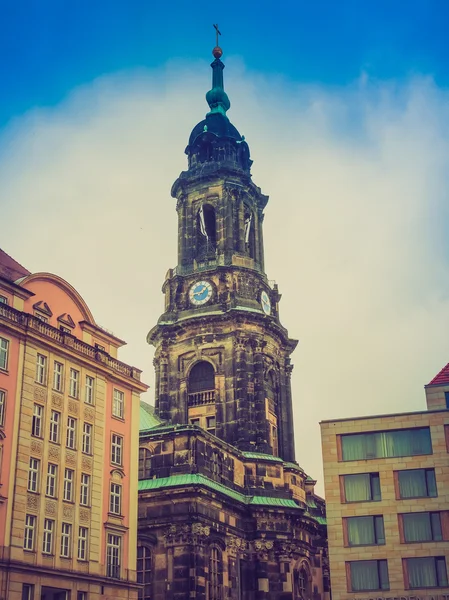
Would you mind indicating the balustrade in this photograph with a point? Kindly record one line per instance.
(199, 398)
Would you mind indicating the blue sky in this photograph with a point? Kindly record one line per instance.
(49, 47)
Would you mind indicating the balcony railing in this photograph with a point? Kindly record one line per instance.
(200, 398)
(66, 339)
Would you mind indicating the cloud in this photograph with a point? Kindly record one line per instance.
(355, 230)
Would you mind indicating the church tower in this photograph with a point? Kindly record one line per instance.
(222, 355)
(225, 512)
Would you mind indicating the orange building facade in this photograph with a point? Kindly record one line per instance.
(69, 436)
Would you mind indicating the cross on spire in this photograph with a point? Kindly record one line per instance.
(217, 32)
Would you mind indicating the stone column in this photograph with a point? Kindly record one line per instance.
(164, 398)
(241, 394)
(181, 210)
(286, 430)
(259, 398)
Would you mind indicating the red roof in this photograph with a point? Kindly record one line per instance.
(10, 268)
(442, 378)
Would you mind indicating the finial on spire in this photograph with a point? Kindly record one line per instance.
(217, 51)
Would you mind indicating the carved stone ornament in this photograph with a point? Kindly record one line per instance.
(197, 529)
(50, 507)
(70, 458)
(54, 452)
(67, 512)
(181, 457)
(84, 515)
(56, 400)
(36, 447)
(32, 501)
(235, 542)
(73, 407)
(40, 393)
(89, 414)
(261, 545)
(86, 463)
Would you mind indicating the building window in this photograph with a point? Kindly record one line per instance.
(71, 433)
(422, 527)
(74, 383)
(118, 404)
(4, 348)
(210, 424)
(2, 407)
(386, 444)
(115, 499)
(65, 329)
(36, 423)
(27, 591)
(33, 475)
(85, 489)
(58, 371)
(144, 572)
(30, 532)
(87, 438)
(301, 583)
(3, 300)
(216, 464)
(365, 531)
(428, 572)
(83, 536)
(195, 422)
(41, 369)
(52, 478)
(47, 540)
(201, 386)
(90, 381)
(66, 540)
(55, 419)
(215, 574)
(417, 483)
(364, 487)
(367, 575)
(144, 463)
(116, 449)
(113, 551)
(69, 478)
(42, 318)
(81, 596)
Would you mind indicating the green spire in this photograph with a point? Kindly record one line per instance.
(216, 97)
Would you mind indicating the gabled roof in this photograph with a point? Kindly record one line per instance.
(10, 269)
(442, 378)
(148, 419)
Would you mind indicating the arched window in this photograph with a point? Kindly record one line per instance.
(144, 572)
(301, 583)
(144, 463)
(250, 237)
(206, 232)
(201, 388)
(215, 574)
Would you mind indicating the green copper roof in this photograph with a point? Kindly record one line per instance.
(148, 419)
(261, 456)
(320, 520)
(196, 479)
(292, 465)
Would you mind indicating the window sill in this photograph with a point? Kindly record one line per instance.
(37, 437)
(118, 418)
(40, 383)
(58, 391)
(33, 492)
(68, 501)
(86, 453)
(73, 397)
(4, 371)
(360, 501)
(51, 497)
(70, 448)
(415, 497)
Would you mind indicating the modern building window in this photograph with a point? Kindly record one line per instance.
(118, 404)
(58, 376)
(83, 536)
(115, 499)
(422, 527)
(4, 349)
(47, 540)
(89, 390)
(210, 424)
(144, 572)
(71, 433)
(144, 463)
(116, 449)
(66, 540)
(2, 407)
(69, 479)
(363, 487)
(55, 420)
(113, 555)
(428, 572)
(27, 591)
(386, 444)
(33, 475)
(367, 575)
(85, 489)
(74, 383)
(215, 574)
(52, 480)
(87, 438)
(41, 369)
(30, 532)
(37, 421)
(417, 483)
(365, 531)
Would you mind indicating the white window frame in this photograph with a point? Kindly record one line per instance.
(4, 354)
(70, 441)
(74, 387)
(2, 407)
(55, 421)
(37, 421)
(118, 404)
(58, 376)
(33, 474)
(66, 540)
(69, 480)
(29, 534)
(85, 489)
(89, 390)
(113, 555)
(27, 591)
(115, 499)
(41, 369)
(116, 450)
(48, 535)
(51, 487)
(87, 438)
(83, 541)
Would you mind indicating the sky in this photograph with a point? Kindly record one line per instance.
(345, 107)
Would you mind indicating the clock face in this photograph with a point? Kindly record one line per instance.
(200, 292)
(265, 301)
